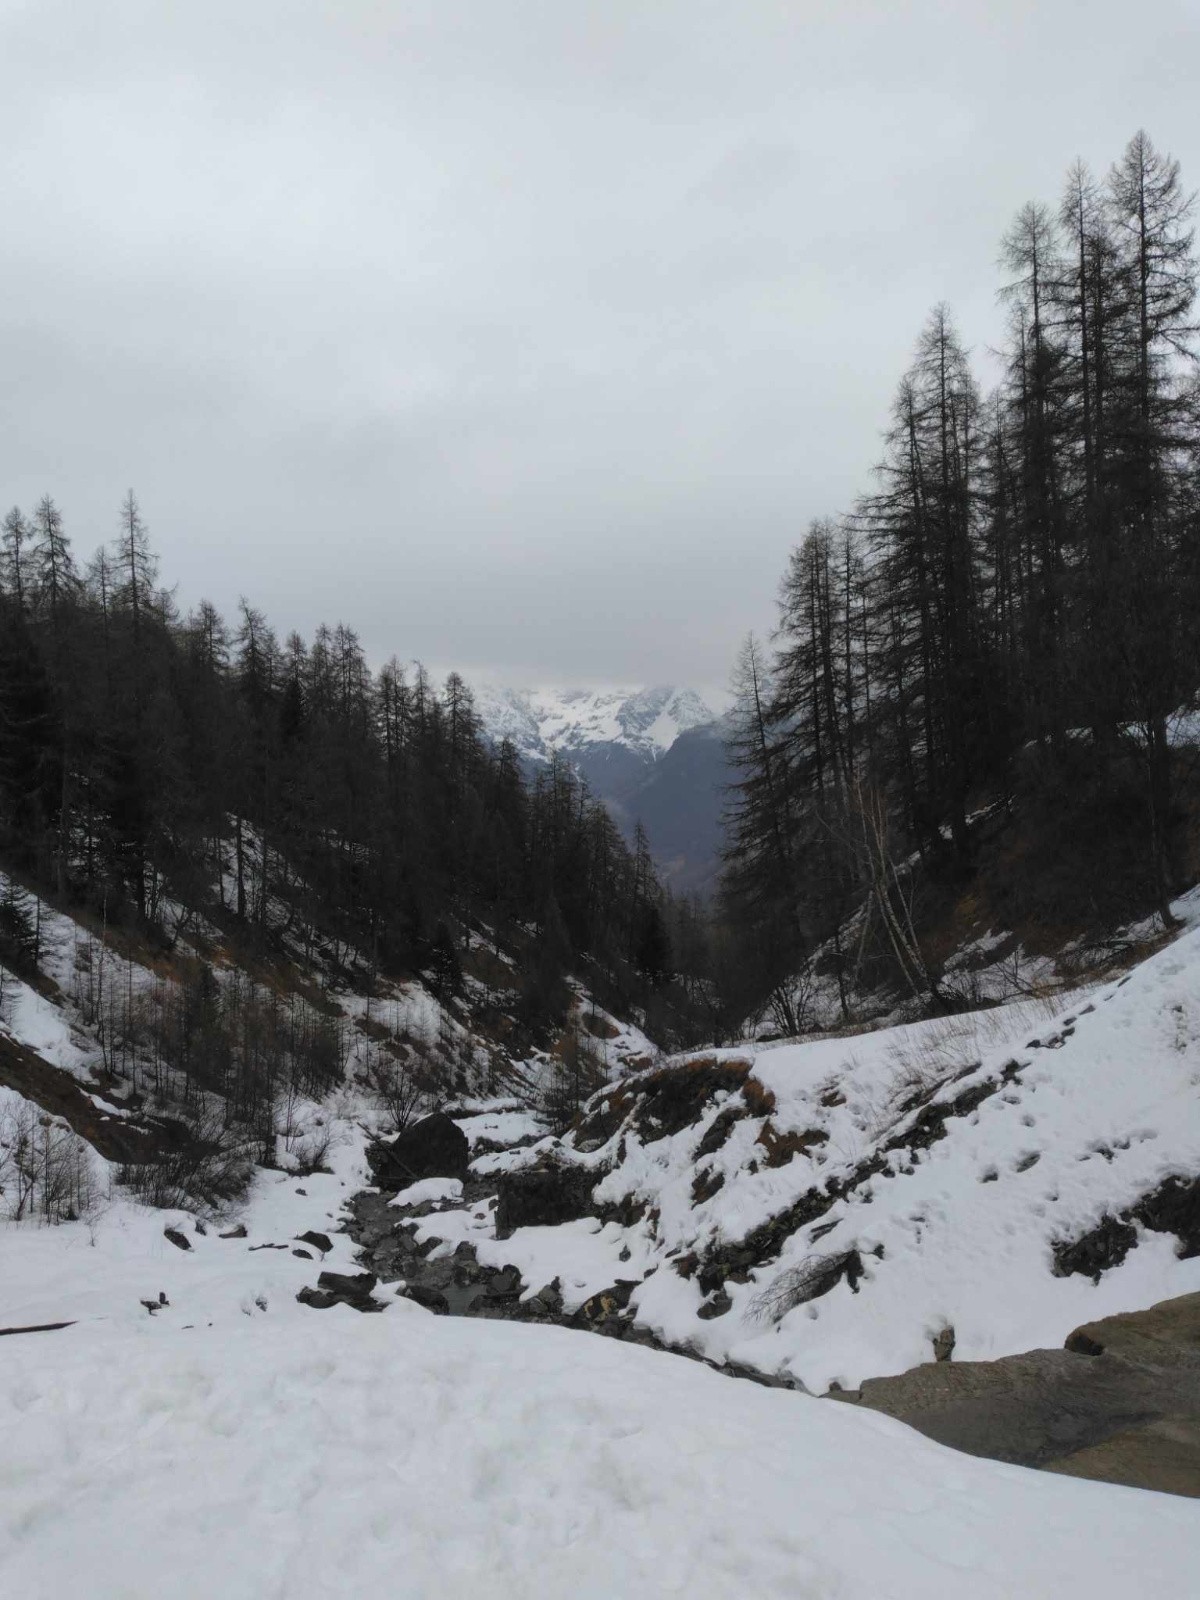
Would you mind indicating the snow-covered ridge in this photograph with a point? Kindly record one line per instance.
(541, 721)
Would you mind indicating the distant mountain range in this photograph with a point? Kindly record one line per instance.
(652, 755)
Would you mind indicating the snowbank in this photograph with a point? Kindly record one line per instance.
(403, 1454)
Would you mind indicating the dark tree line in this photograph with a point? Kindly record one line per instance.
(1019, 594)
(152, 763)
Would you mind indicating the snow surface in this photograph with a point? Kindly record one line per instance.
(256, 1449)
(421, 1457)
(428, 1190)
(232, 1442)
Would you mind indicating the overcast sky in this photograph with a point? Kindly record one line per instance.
(524, 336)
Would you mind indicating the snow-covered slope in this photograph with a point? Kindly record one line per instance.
(824, 1211)
(234, 1442)
(541, 721)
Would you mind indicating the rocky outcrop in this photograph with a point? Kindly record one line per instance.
(1120, 1403)
(1173, 1207)
(542, 1196)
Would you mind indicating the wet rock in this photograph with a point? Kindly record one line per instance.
(506, 1281)
(548, 1301)
(431, 1299)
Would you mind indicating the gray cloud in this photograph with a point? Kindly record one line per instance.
(524, 336)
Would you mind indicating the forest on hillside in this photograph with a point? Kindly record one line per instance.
(1009, 619)
(155, 766)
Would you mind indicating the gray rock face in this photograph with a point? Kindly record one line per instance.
(1121, 1403)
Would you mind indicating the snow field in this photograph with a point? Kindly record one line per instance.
(432, 1457)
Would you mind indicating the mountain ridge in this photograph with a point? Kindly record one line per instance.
(653, 754)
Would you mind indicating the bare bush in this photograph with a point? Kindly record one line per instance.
(45, 1167)
(814, 1276)
(212, 1168)
(400, 1089)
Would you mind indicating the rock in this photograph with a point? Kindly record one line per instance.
(431, 1299)
(608, 1302)
(542, 1196)
(1120, 1404)
(318, 1299)
(1104, 1246)
(179, 1240)
(1162, 1455)
(505, 1282)
(1166, 1335)
(199, 1227)
(342, 1288)
(715, 1306)
(435, 1147)
(548, 1300)
(319, 1241)
(355, 1285)
(234, 1233)
(305, 1254)
(943, 1343)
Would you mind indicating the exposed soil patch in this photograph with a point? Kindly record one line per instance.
(131, 1140)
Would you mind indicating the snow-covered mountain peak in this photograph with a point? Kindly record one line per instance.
(540, 721)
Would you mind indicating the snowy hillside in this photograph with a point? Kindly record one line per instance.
(182, 1409)
(828, 1211)
(541, 721)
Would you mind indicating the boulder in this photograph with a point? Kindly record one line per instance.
(179, 1240)
(319, 1241)
(342, 1288)
(1166, 1335)
(435, 1147)
(1120, 1404)
(542, 1196)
